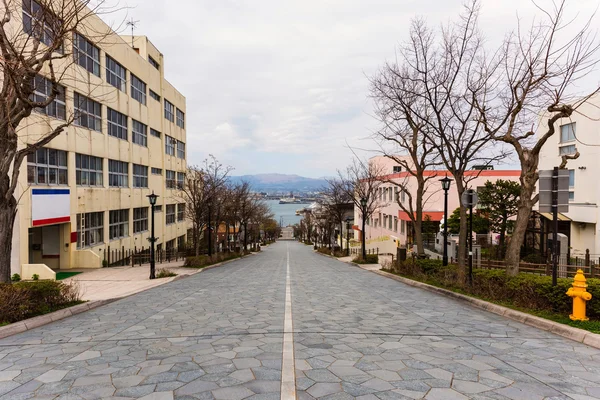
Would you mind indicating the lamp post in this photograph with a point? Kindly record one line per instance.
(152, 198)
(348, 236)
(363, 203)
(446, 186)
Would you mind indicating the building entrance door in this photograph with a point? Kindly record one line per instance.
(44, 246)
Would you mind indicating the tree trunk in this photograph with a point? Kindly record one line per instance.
(418, 222)
(462, 234)
(245, 236)
(503, 226)
(525, 204)
(8, 211)
(196, 240)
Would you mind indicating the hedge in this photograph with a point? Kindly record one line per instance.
(371, 259)
(525, 290)
(205, 261)
(22, 300)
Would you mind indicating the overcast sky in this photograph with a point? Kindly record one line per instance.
(280, 85)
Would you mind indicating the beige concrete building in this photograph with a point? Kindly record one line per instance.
(85, 192)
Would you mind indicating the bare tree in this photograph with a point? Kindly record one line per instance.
(335, 203)
(361, 182)
(538, 70)
(35, 57)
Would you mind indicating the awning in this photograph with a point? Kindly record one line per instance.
(435, 216)
(561, 217)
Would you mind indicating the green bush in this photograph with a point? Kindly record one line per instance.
(371, 259)
(15, 278)
(164, 273)
(35, 277)
(24, 300)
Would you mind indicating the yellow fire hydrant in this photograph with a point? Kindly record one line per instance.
(580, 296)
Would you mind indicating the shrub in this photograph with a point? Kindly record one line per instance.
(24, 300)
(104, 263)
(35, 277)
(15, 278)
(371, 259)
(204, 260)
(164, 273)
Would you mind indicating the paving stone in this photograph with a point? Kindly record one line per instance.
(232, 393)
(324, 389)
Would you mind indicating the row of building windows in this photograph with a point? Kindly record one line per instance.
(90, 226)
(391, 194)
(49, 167)
(388, 222)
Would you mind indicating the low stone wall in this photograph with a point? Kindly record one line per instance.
(42, 270)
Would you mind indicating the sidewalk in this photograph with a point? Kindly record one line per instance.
(115, 282)
(369, 267)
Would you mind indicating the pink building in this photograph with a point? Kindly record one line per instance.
(390, 226)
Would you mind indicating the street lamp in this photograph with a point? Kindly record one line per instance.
(363, 203)
(152, 198)
(348, 236)
(446, 186)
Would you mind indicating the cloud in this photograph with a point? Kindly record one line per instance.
(281, 86)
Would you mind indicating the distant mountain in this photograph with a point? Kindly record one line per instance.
(281, 183)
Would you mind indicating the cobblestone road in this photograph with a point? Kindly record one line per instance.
(219, 335)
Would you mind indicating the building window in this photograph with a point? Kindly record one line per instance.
(180, 118)
(40, 23)
(571, 196)
(139, 133)
(390, 193)
(169, 111)
(153, 62)
(180, 211)
(47, 167)
(155, 133)
(158, 208)
(180, 180)
(567, 150)
(403, 196)
(118, 173)
(115, 74)
(118, 224)
(117, 124)
(88, 170)
(567, 132)
(88, 113)
(140, 219)
(170, 144)
(395, 224)
(140, 176)
(86, 54)
(138, 89)
(42, 90)
(170, 179)
(396, 169)
(154, 95)
(181, 242)
(90, 229)
(180, 150)
(170, 214)
(396, 195)
(390, 222)
(156, 171)
(402, 227)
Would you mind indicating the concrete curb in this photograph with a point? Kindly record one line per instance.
(569, 332)
(25, 325)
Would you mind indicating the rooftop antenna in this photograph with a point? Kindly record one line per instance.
(133, 24)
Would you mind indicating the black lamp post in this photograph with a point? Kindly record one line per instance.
(363, 203)
(348, 236)
(152, 198)
(446, 186)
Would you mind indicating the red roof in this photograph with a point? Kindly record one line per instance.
(435, 216)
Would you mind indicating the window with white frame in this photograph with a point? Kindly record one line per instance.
(90, 229)
(116, 74)
(390, 222)
(180, 150)
(156, 171)
(47, 167)
(155, 133)
(180, 121)
(180, 180)
(42, 90)
(139, 133)
(403, 196)
(169, 111)
(118, 224)
(396, 169)
(118, 173)
(390, 194)
(140, 219)
(170, 179)
(567, 150)
(395, 224)
(138, 89)
(170, 144)
(153, 62)
(567, 132)
(86, 54)
(180, 212)
(140, 176)
(402, 226)
(154, 95)
(88, 170)
(571, 184)
(117, 124)
(41, 23)
(396, 194)
(88, 113)
(170, 214)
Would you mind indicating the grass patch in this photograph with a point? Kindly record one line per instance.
(64, 275)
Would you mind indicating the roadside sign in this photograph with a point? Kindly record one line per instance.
(545, 192)
(469, 198)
